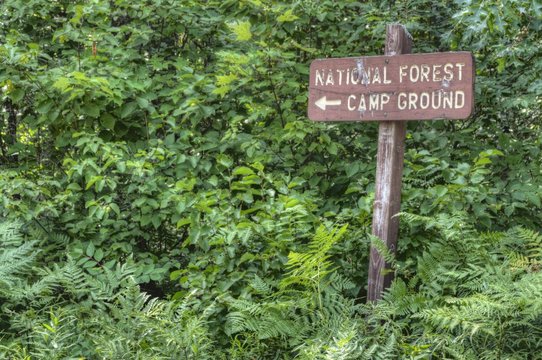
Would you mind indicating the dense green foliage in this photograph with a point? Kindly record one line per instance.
(163, 194)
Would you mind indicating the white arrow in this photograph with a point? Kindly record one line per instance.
(323, 102)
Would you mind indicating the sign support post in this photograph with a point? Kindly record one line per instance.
(389, 169)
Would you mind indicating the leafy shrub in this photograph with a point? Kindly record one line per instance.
(162, 148)
(63, 312)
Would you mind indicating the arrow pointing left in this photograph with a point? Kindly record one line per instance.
(323, 102)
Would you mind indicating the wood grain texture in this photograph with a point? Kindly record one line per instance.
(391, 140)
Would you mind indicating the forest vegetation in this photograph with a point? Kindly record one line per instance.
(163, 194)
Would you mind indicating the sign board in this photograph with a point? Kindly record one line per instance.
(396, 87)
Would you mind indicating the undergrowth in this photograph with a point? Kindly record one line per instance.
(468, 295)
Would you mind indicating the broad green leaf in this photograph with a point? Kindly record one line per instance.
(16, 95)
(243, 170)
(241, 30)
(91, 110)
(182, 222)
(224, 160)
(115, 208)
(62, 84)
(108, 121)
(288, 16)
(127, 109)
(98, 255)
(142, 102)
(92, 181)
(90, 249)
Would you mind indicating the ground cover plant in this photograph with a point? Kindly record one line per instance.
(164, 196)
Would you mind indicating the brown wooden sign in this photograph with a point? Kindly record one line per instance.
(392, 87)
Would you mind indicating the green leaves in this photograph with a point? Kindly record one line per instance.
(445, 291)
(67, 325)
(90, 250)
(175, 138)
(243, 170)
(241, 30)
(287, 16)
(127, 109)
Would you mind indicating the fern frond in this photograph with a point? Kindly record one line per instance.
(14, 261)
(310, 267)
(10, 235)
(383, 250)
(260, 286)
(532, 241)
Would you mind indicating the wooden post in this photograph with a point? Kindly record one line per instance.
(389, 170)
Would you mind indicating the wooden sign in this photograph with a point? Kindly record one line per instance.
(392, 87)
(397, 86)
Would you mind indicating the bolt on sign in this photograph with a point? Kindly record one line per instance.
(392, 87)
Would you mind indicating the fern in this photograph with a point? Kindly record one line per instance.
(305, 309)
(468, 295)
(15, 256)
(477, 294)
(383, 250)
(308, 269)
(63, 312)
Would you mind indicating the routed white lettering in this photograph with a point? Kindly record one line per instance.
(373, 102)
(376, 76)
(386, 80)
(436, 95)
(319, 78)
(366, 76)
(447, 100)
(425, 70)
(354, 79)
(330, 80)
(435, 100)
(414, 76)
(436, 73)
(362, 106)
(341, 72)
(459, 99)
(424, 100)
(376, 102)
(412, 99)
(460, 66)
(401, 101)
(384, 99)
(401, 73)
(353, 98)
(448, 70)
